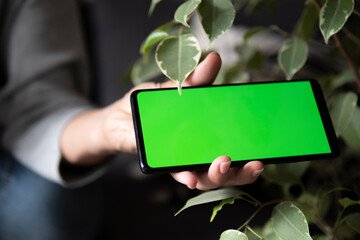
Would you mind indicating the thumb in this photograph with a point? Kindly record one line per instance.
(206, 72)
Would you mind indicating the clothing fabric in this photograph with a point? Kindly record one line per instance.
(47, 81)
(33, 208)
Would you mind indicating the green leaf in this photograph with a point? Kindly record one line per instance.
(289, 222)
(216, 17)
(178, 56)
(305, 200)
(292, 56)
(333, 15)
(347, 202)
(144, 70)
(306, 26)
(154, 37)
(324, 202)
(217, 208)
(232, 234)
(341, 109)
(152, 6)
(284, 174)
(211, 196)
(185, 10)
(343, 78)
(353, 221)
(351, 134)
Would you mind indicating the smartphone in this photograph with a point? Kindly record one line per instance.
(273, 122)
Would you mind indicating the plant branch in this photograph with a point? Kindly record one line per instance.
(348, 33)
(348, 58)
(257, 211)
(343, 51)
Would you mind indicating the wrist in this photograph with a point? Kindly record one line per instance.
(83, 141)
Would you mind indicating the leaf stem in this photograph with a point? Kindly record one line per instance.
(257, 211)
(253, 232)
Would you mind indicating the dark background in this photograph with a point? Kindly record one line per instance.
(139, 206)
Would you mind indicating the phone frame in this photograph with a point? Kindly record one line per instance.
(321, 104)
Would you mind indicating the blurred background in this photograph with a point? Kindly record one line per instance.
(139, 206)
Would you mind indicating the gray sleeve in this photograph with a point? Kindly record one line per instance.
(46, 87)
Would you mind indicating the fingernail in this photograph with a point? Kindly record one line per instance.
(257, 172)
(224, 167)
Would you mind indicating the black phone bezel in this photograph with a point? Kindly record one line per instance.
(322, 107)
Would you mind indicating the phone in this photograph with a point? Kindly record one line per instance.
(273, 122)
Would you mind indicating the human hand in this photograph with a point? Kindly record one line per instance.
(113, 131)
(219, 173)
(118, 126)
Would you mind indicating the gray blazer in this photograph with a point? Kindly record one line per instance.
(45, 83)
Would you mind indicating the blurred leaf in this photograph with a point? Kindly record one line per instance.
(178, 56)
(154, 37)
(341, 109)
(211, 196)
(284, 174)
(216, 17)
(245, 53)
(289, 222)
(220, 78)
(333, 15)
(347, 202)
(152, 6)
(237, 77)
(250, 58)
(252, 32)
(351, 134)
(144, 70)
(292, 56)
(267, 231)
(353, 221)
(238, 4)
(306, 25)
(324, 202)
(344, 78)
(217, 208)
(253, 5)
(304, 200)
(186, 9)
(232, 234)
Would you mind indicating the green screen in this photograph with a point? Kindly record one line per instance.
(245, 122)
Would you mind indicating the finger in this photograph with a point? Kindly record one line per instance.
(245, 175)
(187, 178)
(217, 174)
(204, 74)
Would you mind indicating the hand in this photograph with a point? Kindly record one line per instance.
(112, 131)
(220, 174)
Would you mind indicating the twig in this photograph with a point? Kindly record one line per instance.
(343, 51)
(348, 58)
(257, 211)
(348, 33)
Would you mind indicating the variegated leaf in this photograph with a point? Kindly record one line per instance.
(333, 15)
(185, 10)
(216, 16)
(178, 56)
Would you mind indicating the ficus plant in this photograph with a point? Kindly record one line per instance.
(328, 193)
